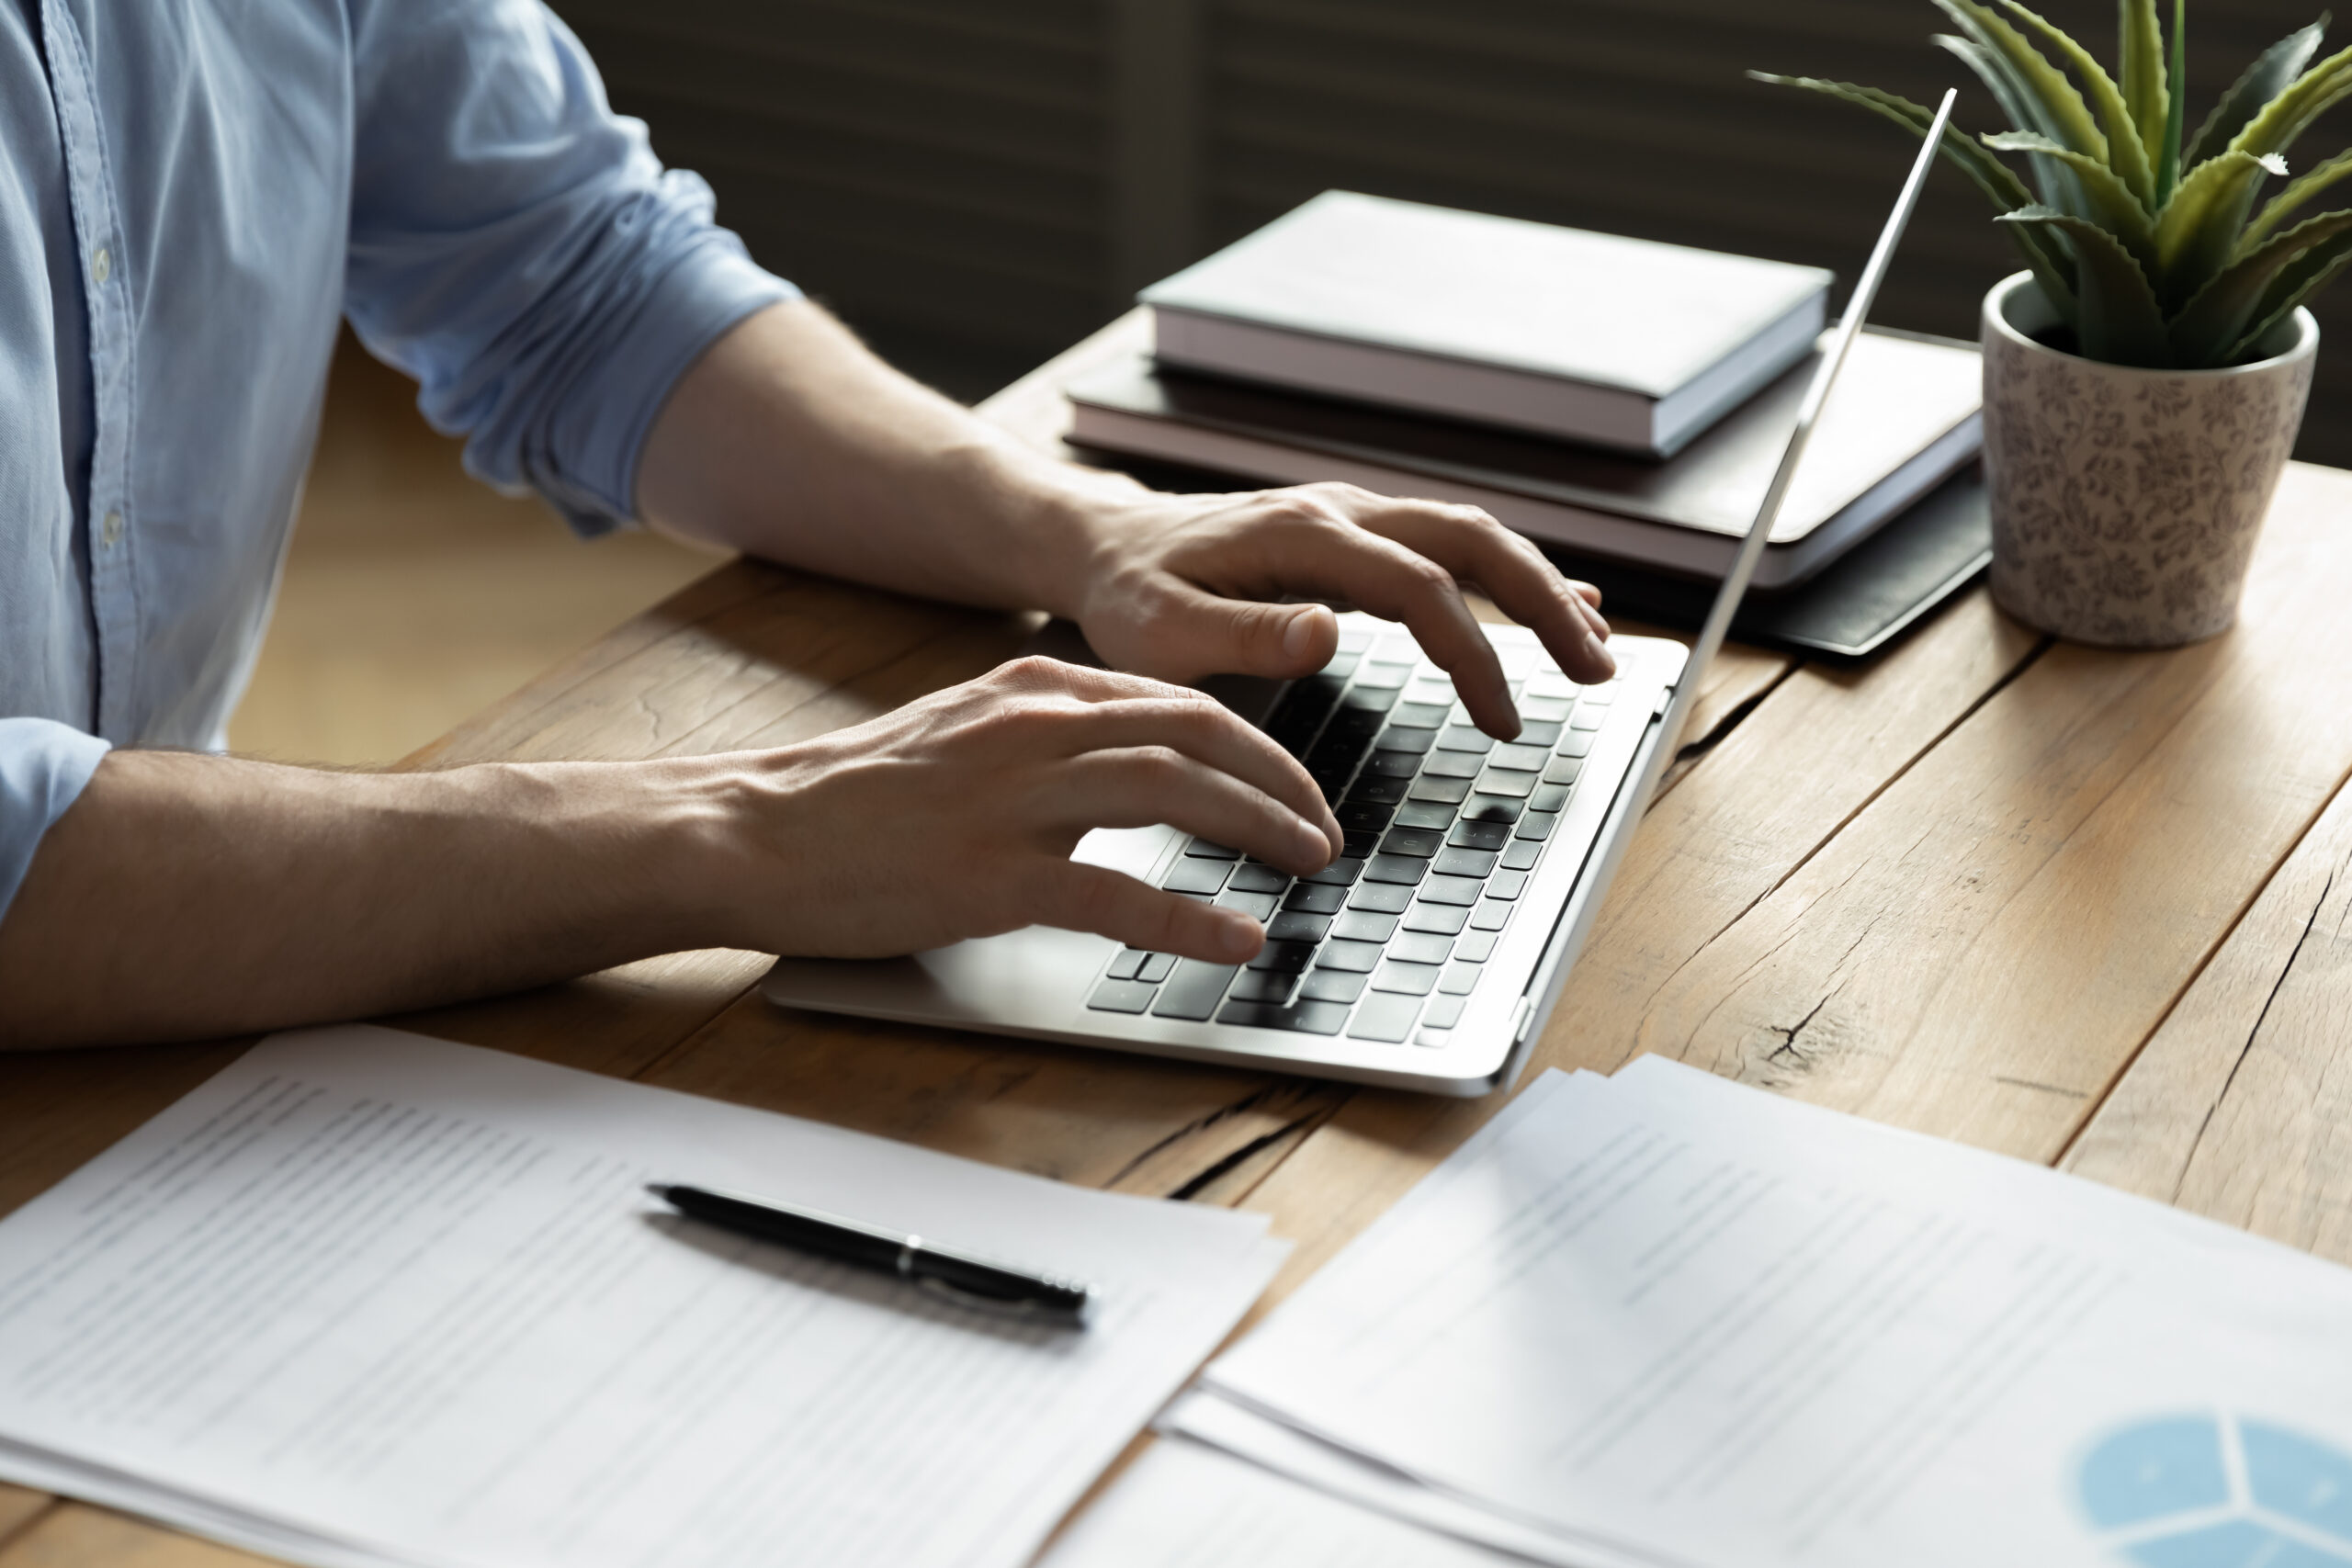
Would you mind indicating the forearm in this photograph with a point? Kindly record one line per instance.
(188, 896)
(789, 440)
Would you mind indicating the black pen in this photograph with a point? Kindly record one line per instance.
(942, 1270)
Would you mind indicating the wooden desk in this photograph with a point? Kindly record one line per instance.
(2079, 907)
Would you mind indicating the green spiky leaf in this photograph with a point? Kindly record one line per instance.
(2142, 53)
(2197, 230)
(2217, 319)
(2169, 169)
(2276, 124)
(2055, 182)
(2297, 281)
(2127, 155)
(2297, 196)
(2051, 267)
(2063, 116)
(2117, 321)
(2268, 76)
(2107, 200)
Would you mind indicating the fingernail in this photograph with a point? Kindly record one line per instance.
(1299, 634)
(1598, 651)
(1313, 845)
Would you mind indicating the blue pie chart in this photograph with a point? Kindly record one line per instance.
(2217, 1491)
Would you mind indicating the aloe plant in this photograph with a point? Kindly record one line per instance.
(2148, 246)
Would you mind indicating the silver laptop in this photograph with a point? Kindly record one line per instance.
(1430, 954)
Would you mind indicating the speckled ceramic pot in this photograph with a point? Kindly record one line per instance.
(2126, 503)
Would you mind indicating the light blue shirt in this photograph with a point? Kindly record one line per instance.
(192, 192)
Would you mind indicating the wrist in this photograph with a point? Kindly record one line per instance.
(1063, 524)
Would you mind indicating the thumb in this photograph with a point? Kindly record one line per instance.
(1206, 634)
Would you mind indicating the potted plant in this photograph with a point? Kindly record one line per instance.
(2144, 377)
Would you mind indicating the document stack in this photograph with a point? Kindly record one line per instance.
(367, 1300)
(1620, 398)
(1661, 1321)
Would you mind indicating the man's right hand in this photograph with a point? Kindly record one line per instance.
(955, 817)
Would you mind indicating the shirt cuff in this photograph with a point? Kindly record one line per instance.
(43, 767)
(706, 291)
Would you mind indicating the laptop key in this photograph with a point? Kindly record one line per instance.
(1285, 957)
(1121, 996)
(1492, 808)
(1465, 863)
(1521, 855)
(1463, 890)
(1303, 1017)
(1385, 1016)
(1340, 873)
(1589, 716)
(1128, 960)
(1543, 710)
(1193, 991)
(1506, 783)
(1365, 815)
(1538, 825)
(1191, 876)
(1519, 758)
(1314, 899)
(1385, 674)
(1257, 906)
(1490, 915)
(1397, 738)
(1358, 845)
(1262, 986)
(1364, 925)
(1403, 869)
(1452, 765)
(1410, 715)
(1574, 744)
(1256, 876)
(1332, 986)
(1442, 791)
(1207, 851)
(1444, 1012)
(1421, 947)
(1476, 947)
(1506, 885)
(1458, 978)
(1444, 918)
(1393, 765)
(1378, 789)
(1465, 737)
(1355, 957)
(1432, 814)
(1412, 979)
(1292, 925)
(1563, 770)
(1381, 898)
(1155, 967)
(1474, 833)
(1547, 797)
(1533, 731)
(1418, 842)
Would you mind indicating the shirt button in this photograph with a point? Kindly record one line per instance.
(102, 265)
(112, 530)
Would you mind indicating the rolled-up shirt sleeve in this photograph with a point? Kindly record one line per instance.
(43, 767)
(517, 248)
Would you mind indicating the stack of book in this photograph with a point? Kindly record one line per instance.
(1623, 400)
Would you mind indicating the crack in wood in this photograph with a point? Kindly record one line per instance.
(2041, 1087)
(1255, 1146)
(2294, 955)
(1198, 1126)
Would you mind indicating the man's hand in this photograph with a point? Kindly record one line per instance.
(1183, 586)
(955, 817)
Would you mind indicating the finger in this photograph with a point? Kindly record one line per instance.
(1081, 897)
(1528, 588)
(1307, 546)
(1201, 633)
(1144, 785)
(1087, 683)
(1208, 733)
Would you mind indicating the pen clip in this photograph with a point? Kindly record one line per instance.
(995, 1306)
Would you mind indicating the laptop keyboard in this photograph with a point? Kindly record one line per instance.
(1443, 824)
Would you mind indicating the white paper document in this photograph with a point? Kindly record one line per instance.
(1183, 1506)
(369, 1298)
(1665, 1318)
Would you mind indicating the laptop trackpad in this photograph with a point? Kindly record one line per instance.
(1037, 976)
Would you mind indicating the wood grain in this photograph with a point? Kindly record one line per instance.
(1750, 812)
(19, 1508)
(2240, 1107)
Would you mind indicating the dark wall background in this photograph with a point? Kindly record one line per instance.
(974, 183)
